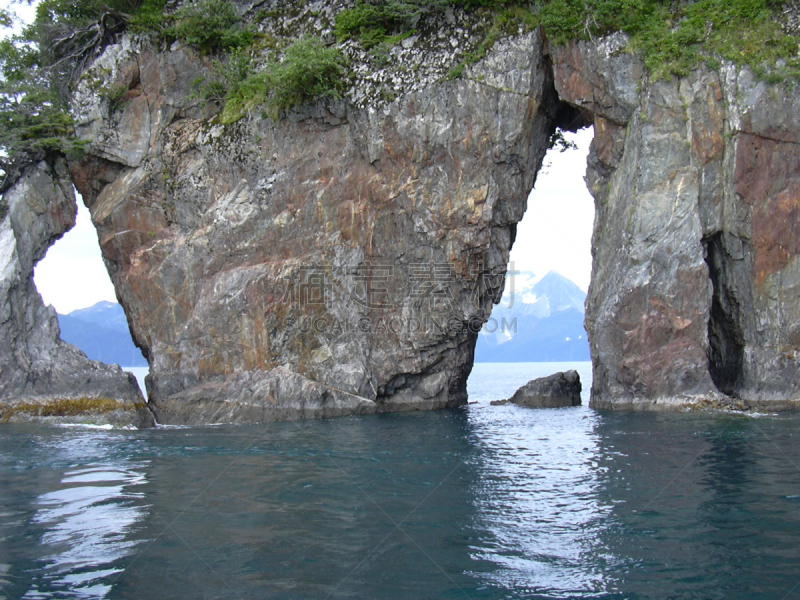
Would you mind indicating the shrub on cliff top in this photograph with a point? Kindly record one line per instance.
(309, 71)
(209, 25)
(40, 66)
(674, 38)
(373, 22)
(33, 117)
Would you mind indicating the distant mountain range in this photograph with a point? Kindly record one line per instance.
(548, 313)
(101, 332)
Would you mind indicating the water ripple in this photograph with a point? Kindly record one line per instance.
(85, 524)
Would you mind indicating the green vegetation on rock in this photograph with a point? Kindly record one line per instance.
(41, 66)
(308, 71)
(377, 21)
(675, 38)
(372, 24)
(33, 118)
(209, 25)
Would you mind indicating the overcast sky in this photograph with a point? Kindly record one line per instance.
(554, 235)
(556, 232)
(73, 275)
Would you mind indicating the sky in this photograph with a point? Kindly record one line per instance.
(72, 274)
(24, 11)
(555, 234)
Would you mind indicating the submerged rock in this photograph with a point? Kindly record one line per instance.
(41, 376)
(556, 390)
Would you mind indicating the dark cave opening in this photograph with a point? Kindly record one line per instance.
(725, 339)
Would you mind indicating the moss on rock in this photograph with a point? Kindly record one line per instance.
(65, 407)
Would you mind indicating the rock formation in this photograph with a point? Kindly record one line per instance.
(338, 261)
(694, 292)
(554, 391)
(341, 259)
(40, 375)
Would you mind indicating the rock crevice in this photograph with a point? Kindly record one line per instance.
(697, 189)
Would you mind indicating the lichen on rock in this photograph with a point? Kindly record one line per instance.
(340, 256)
(399, 215)
(696, 184)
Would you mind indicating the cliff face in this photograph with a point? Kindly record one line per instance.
(339, 261)
(697, 189)
(342, 259)
(40, 375)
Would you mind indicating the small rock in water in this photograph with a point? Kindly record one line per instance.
(559, 389)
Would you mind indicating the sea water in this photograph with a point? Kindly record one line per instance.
(479, 502)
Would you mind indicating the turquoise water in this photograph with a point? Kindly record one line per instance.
(480, 502)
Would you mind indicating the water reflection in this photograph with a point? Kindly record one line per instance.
(700, 509)
(85, 525)
(486, 502)
(538, 499)
(374, 507)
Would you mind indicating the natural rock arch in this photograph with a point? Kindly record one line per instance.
(341, 260)
(40, 375)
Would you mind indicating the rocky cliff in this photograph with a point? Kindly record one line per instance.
(695, 276)
(342, 259)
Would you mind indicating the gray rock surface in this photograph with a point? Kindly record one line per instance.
(342, 259)
(554, 391)
(350, 252)
(42, 377)
(694, 295)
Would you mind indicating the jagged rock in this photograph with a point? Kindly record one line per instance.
(554, 391)
(351, 251)
(42, 377)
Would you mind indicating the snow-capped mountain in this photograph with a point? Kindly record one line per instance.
(538, 319)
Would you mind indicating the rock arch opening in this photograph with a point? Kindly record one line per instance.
(73, 279)
(541, 313)
(43, 377)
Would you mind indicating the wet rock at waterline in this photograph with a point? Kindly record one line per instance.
(554, 391)
(42, 377)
